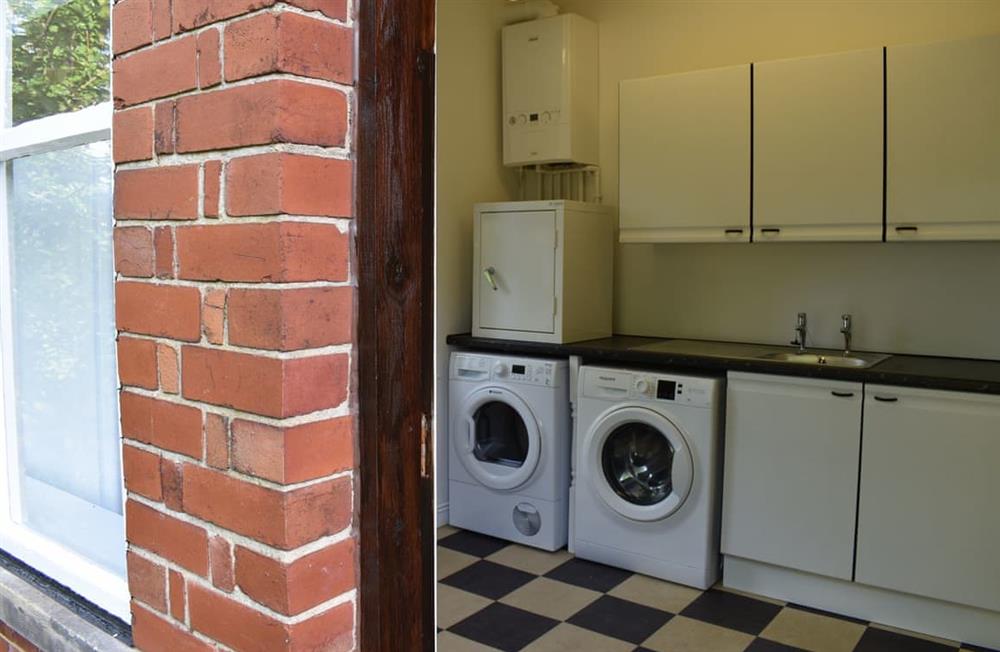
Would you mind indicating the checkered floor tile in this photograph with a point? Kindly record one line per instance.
(493, 595)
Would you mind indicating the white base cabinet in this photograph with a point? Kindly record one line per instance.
(929, 520)
(790, 489)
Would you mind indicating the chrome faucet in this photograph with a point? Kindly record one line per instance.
(845, 328)
(800, 332)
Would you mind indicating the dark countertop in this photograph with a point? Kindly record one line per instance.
(956, 374)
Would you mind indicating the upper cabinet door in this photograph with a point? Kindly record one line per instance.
(516, 278)
(685, 157)
(943, 167)
(817, 149)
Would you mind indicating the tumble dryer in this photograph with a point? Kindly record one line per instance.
(510, 445)
(647, 473)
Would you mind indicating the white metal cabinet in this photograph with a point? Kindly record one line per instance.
(685, 157)
(943, 147)
(818, 132)
(791, 472)
(543, 271)
(929, 522)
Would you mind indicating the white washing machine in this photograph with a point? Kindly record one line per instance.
(647, 473)
(510, 448)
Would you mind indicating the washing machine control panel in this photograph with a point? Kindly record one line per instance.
(512, 370)
(614, 384)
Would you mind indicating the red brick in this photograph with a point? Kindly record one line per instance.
(217, 441)
(161, 19)
(233, 624)
(273, 252)
(268, 184)
(190, 14)
(330, 631)
(164, 127)
(293, 454)
(291, 319)
(213, 178)
(280, 388)
(142, 472)
(133, 251)
(153, 634)
(289, 43)
(163, 193)
(220, 553)
(163, 246)
(213, 315)
(14, 641)
(284, 520)
(131, 25)
(336, 9)
(172, 482)
(132, 134)
(277, 111)
(306, 582)
(167, 69)
(169, 373)
(209, 65)
(137, 362)
(178, 596)
(163, 310)
(288, 320)
(182, 543)
(147, 582)
(166, 425)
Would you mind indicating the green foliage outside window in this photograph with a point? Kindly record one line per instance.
(59, 56)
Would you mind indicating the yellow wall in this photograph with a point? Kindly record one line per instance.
(935, 298)
(468, 171)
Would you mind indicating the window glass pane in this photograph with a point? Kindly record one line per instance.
(65, 383)
(59, 56)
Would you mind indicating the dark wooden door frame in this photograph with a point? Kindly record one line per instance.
(394, 187)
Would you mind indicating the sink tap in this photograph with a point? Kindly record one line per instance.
(845, 328)
(800, 332)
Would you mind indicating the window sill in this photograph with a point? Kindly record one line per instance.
(47, 622)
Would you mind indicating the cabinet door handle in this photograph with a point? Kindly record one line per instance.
(842, 394)
(886, 399)
(734, 231)
(907, 229)
(490, 274)
(771, 231)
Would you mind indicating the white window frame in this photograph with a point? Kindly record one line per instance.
(57, 132)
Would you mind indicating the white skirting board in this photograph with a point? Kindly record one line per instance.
(442, 515)
(928, 616)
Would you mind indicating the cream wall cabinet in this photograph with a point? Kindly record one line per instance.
(791, 472)
(543, 271)
(817, 153)
(943, 148)
(685, 157)
(928, 521)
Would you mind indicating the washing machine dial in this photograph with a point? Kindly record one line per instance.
(642, 386)
(500, 370)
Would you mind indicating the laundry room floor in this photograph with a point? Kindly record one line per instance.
(495, 595)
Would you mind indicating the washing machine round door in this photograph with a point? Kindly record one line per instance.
(497, 438)
(639, 463)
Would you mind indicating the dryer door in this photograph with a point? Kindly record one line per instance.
(639, 463)
(497, 438)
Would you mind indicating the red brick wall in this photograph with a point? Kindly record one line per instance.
(233, 205)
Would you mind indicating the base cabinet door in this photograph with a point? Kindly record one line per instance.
(791, 472)
(929, 518)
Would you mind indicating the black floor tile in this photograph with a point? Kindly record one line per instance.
(589, 575)
(473, 543)
(880, 640)
(821, 612)
(643, 649)
(504, 627)
(621, 619)
(978, 648)
(733, 611)
(764, 645)
(488, 579)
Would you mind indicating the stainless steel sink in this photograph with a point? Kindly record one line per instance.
(763, 352)
(856, 361)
